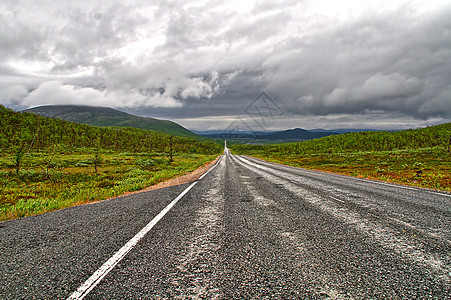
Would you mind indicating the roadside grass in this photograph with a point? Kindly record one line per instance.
(427, 167)
(50, 181)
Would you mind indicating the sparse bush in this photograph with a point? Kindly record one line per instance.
(146, 163)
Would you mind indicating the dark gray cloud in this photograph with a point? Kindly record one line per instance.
(378, 63)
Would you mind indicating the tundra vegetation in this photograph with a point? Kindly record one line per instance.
(48, 164)
(417, 157)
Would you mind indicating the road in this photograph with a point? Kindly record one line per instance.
(249, 229)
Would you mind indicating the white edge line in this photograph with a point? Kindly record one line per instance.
(203, 175)
(441, 194)
(98, 275)
(336, 199)
(413, 188)
(261, 167)
(419, 189)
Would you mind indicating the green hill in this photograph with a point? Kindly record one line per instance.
(18, 129)
(48, 164)
(417, 157)
(105, 117)
(432, 136)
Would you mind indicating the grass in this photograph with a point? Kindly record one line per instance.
(52, 181)
(427, 167)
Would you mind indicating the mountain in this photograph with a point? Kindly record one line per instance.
(297, 134)
(105, 116)
(290, 135)
(348, 130)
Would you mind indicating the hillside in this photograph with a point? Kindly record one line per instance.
(48, 164)
(432, 136)
(417, 157)
(18, 129)
(105, 116)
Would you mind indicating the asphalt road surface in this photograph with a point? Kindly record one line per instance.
(247, 230)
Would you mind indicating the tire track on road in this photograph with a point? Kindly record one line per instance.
(373, 229)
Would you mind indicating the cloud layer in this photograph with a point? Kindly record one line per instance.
(202, 61)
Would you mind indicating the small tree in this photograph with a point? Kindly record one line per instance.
(25, 142)
(18, 157)
(170, 149)
(49, 163)
(96, 159)
(150, 143)
(447, 144)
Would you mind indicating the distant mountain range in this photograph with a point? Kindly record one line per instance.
(297, 134)
(104, 116)
(289, 135)
(284, 136)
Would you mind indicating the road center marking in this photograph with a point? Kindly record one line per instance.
(98, 275)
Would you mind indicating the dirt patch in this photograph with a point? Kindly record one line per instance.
(193, 176)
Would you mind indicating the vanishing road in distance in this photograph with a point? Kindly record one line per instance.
(248, 229)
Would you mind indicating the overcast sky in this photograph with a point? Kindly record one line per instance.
(323, 63)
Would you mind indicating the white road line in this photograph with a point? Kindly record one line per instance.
(403, 187)
(337, 199)
(203, 175)
(98, 275)
(441, 194)
(366, 180)
(274, 170)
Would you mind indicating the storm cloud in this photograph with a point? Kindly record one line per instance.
(326, 63)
